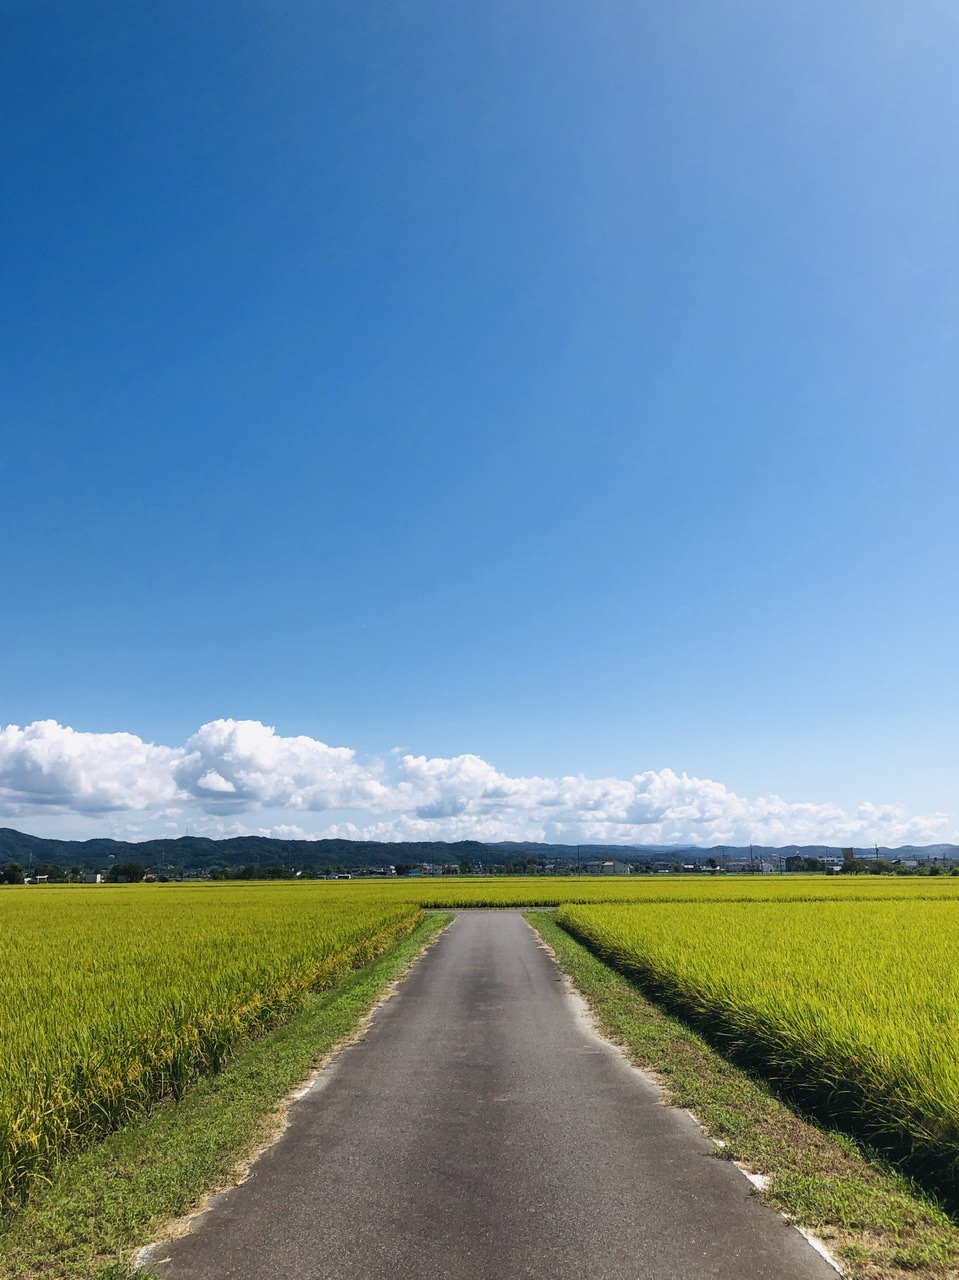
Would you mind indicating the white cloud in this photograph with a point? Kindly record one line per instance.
(212, 781)
(48, 767)
(229, 770)
(249, 764)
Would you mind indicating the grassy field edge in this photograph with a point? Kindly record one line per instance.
(104, 1203)
(877, 1223)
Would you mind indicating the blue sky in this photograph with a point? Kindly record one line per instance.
(568, 387)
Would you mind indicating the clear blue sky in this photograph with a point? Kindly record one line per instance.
(573, 385)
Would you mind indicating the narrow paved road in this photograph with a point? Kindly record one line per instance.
(481, 1132)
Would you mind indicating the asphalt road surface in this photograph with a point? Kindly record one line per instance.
(480, 1131)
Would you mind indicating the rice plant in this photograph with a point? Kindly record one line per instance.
(850, 1007)
(112, 999)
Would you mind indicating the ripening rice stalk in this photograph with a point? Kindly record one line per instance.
(851, 1007)
(112, 999)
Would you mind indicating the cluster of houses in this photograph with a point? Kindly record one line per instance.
(604, 867)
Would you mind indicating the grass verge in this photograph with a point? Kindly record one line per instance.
(102, 1204)
(875, 1221)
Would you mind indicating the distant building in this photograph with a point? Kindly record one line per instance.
(758, 866)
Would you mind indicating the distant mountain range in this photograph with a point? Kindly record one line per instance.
(198, 853)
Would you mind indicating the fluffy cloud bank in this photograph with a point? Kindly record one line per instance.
(230, 770)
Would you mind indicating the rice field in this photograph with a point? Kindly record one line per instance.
(553, 891)
(112, 999)
(852, 1007)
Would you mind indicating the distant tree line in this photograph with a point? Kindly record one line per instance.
(53, 873)
(262, 857)
(883, 867)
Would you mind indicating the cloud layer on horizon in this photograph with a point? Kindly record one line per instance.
(230, 771)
